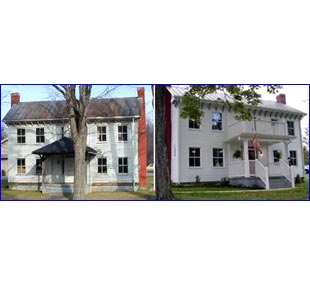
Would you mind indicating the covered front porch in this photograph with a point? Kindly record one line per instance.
(57, 165)
(268, 169)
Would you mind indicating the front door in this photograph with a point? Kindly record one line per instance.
(58, 170)
(252, 158)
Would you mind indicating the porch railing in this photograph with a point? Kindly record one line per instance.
(262, 172)
(287, 171)
(236, 169)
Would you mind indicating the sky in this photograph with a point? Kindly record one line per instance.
(297, 96)
(47, 92)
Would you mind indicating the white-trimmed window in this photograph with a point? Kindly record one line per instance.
(123, 165)
(21, 166)
(101, 133)
(40, 138)
(102, 165)
(290, 128)
(122, 133)
(194, 157)
(38, 166)
(293, 158)
(218, 157)
(216, 121)
(193, 124)
(21, 135)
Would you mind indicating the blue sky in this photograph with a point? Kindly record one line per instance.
(47, 92)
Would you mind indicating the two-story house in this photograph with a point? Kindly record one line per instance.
(41, 151)
(221, 146)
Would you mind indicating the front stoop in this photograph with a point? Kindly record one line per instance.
(279, 183)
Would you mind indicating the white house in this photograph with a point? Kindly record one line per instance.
(223, 147)
(41, 152)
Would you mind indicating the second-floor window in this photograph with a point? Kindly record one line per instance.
(122, 133)
(21, 135)
(194, 157)
(102, 133)
(40, 138)
(102, 165)
(216, 121)
(290, 128)
(21, 166)
(193, 124)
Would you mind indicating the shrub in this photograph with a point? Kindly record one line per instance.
(197, 180)
(297, 179)
(224, 182)
(3, 173)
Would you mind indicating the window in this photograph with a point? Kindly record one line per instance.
(40, 135)
(193, 124)
(122, 133)
(102, 133)
(216, 121)
(123, 165)
(218, 158)
(38, 166)
(21, 135)
(293, 158)
(277, 155)
(194, 157)
(21, 166)
(102, 165)
(290, 128)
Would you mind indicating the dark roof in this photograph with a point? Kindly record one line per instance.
(60, 147)
(49, 110)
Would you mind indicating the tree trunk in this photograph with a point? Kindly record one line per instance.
(163, 188)
(80, 167)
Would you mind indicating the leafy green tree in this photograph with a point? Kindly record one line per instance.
(238, 97)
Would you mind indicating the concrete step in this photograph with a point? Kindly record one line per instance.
(279, 183)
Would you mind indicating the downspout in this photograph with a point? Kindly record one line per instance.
(134, 153)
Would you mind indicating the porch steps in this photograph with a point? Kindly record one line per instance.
(279, 183)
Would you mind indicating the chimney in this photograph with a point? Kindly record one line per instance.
(15, 98)
(142, 140)
(281, 98)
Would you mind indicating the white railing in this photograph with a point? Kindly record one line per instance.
(287, 171)
(259, 126)
(262, 172)
(236, 169)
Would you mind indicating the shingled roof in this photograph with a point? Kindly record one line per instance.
(56, 110)
(61, 147)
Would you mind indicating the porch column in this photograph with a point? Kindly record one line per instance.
(246, 158)
(286, 154)
(228, 156)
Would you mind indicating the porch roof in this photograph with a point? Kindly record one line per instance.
(61, 147)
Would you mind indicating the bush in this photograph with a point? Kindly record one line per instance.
(197, 180)
(3, 173)
(224, 182)
(297, 179)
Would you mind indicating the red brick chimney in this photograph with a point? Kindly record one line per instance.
(142, 140)
(281, 98)
(15, 98)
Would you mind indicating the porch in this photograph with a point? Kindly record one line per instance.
(263, 170)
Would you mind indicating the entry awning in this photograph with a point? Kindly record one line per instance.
(64, 146)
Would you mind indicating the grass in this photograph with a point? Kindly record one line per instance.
(8, 194)
(299, 193)
(180, 193)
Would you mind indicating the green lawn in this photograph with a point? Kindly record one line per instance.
(216, 193)
(181, 193)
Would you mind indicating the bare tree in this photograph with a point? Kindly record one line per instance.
(4, 131)
(77, 109)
